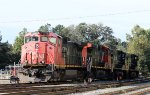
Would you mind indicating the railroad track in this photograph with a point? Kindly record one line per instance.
(45, 89)
(132, 90)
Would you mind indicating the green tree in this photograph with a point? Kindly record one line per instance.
(19, 41)
(95, 33)
(5, 54)
(58, 29)
(139, 43)
(45, 28)
(16, 49)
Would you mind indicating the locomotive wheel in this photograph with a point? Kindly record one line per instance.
(119, 76)
(101, 74)
(133, 75)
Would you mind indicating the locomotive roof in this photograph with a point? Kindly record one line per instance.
(42, 33)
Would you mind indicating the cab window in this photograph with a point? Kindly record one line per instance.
(44, 39)
(52, 40)
(27, 39)
(34, 38)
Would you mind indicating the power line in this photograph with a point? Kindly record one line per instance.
(79, 17)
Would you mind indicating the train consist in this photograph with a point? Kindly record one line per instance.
(47, 56)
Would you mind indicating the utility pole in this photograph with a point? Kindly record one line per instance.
(14, 69)
(1, 73)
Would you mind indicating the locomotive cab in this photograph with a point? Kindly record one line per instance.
(39, 49)
(105, 56)
(31, 53)
(121, 59)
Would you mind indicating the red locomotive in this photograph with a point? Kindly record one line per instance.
(47, 56)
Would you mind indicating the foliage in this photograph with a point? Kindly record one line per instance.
(16, 49)
(19, 41)
(45, 28)
(121, 45)
(95, 33)
(58, 29)
(5, 54)
(139, 43)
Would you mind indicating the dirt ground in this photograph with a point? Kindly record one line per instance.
(2, 81)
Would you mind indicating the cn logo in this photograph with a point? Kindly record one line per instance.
(36, 46)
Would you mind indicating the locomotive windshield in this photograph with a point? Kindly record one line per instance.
(34, 38)
(52, 40)
(29, 38)
(44, 39)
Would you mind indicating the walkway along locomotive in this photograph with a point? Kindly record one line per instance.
(47, 56)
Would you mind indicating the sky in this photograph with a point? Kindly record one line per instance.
(120, 15)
